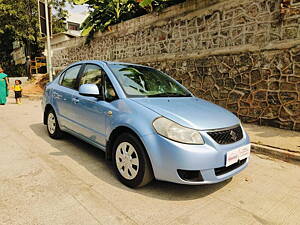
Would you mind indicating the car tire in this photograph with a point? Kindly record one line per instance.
(53, 128)
(131, 162)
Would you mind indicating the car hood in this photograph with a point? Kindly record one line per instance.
(190, 112)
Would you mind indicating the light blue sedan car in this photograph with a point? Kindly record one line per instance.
(147, 123)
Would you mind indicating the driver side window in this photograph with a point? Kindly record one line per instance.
(110, 93)
(92, 74)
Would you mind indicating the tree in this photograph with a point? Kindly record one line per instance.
(105, 13)
(19, 21)
(157, 5)
(59, 15)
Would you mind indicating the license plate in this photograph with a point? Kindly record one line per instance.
(238, 154)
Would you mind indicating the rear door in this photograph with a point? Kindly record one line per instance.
(62, 96)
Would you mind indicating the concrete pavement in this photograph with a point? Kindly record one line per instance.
(277, 143)
(274, 137)
(44, 181)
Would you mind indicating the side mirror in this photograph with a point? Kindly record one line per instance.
(91, 90)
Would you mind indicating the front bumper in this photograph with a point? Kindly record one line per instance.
(167, 157)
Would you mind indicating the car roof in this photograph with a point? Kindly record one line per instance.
(107, 62)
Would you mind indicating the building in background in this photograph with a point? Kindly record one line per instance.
(72, 31)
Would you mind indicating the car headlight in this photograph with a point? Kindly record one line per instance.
(176, 132)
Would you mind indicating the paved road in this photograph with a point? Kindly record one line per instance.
(43, 181)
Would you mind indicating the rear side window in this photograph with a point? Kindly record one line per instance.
(70, 76)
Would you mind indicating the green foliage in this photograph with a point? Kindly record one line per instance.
(146, 3)
(104, 13)
(5, 50)
(158, 5)
(59, 15)
(58, 24)
(80, 2)
(20, 18)
(19, 21)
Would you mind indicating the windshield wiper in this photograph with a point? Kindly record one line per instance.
(169, 94)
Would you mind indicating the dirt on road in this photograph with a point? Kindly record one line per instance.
(45, 181)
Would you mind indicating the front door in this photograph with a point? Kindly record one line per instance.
(90, 111)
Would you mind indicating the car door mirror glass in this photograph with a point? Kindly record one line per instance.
(91, 90)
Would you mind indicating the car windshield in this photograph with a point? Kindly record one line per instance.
(139, 81)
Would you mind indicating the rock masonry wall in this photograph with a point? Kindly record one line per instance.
(242, 55)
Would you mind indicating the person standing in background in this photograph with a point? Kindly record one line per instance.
(3, 87)
(17, 88)
(28, 67)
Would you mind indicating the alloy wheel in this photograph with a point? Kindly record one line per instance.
(127, 160)
(51, 123)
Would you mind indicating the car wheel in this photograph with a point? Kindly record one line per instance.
(53, 126)
(131, 162)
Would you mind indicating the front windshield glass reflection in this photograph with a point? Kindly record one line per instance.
(139, 81)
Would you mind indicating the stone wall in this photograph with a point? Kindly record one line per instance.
(260, 87)
(242, 55)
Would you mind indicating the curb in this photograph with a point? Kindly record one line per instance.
(284, 155)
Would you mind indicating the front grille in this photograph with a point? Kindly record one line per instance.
(227, 136)
(222, 170)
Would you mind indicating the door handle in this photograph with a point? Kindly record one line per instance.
(75, 100)
(56, 95)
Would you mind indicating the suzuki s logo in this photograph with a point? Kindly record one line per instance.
(233, 135)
